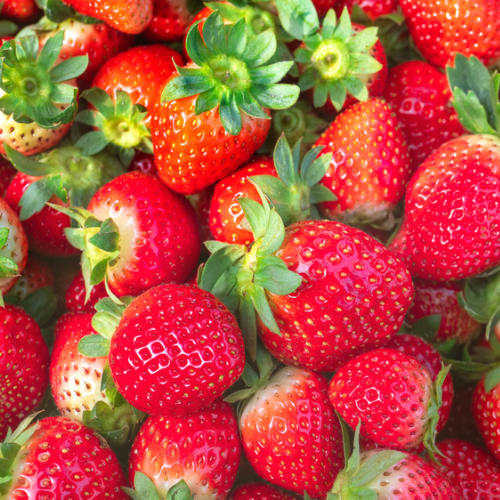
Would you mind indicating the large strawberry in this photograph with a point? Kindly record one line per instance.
(57, 457)
(24, 362)
(370, 167)
(38, 97)
(201, 450)
(442, 30)
(214, 115)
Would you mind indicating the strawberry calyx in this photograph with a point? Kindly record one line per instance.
(120, 124)
(144, 487)
(351, 482)
(230, 73)
(335, 61)
(8, 267)
(31, 85)
(58, 12)
(296, 190)
(241, 276)
(64, 172)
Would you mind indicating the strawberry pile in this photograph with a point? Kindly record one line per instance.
(249, 249)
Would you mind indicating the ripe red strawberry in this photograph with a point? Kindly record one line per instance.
(13, 248)
(431, 297)
(440, 31)
(36, 275)
(370, 166)
(75, 295)
(421, 99)
(7, 173)
(178, 364)
(129, 16)
(143, 162)
(485, 408)
(57, 457)
(393, 397)
(199, 138)
(201, 204)
(290, 434)
(170, 22)
(470, 469)
(373, 8)
(145, 235)
(259, 491)
(203, 449)
(20, 11)
(342, 63)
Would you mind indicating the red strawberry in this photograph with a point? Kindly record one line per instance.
(485, 408)
(171, 20)
(373, 8)
(61, 458)
(7, 173)
(393, 397)
(470, 469)
(20, 11)
(129, 16)
(201, 204)
(202, 449)
(370, 166)
(75, 295)
(179, 363)
(468, 27)
(421, 98)
(36, 275)
(259, 491)
(143, 162)
(290, 434)
(13, 248)
(24, 361)
(199, 138)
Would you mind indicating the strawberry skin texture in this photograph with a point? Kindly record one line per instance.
(420, 96)
(24, 362)
(452, 210)
(128, 16)
(486, 411)
(75, 295)
(143, 162)
(65, 460)
(441, 30)
(7, 173)
(373, 8)
(389, 392)
(353, 296)
(160, 238)
(226, 214)
(20, 11)
(470, 469)
(99, 41)
(16, 247)
(370, 166)
(171, 20)
(433, 297)
(45, 229)
(176, 349)
(140, 72)
(202, 448)
(37, 274)
(259, 491)
(192, 152)
(290, 434)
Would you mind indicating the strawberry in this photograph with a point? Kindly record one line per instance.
(199, 138)
(7, 173)
(392, 395)
(59, 458)
(431, 298)
(79, 384)
(201, 204)
(342, 62)
(201, 449)
(440, 31)
(20, 11)
(421, 99)
(75, 295)
(36, 275)
(36, 109)
(485, 408)
(24, 361)
(290, 434)
(470, 469)
(13, 248)
(128, 16)
(372, 8)
(135, 235)
(370, 166)
(62, 176)
(453, 201)
(259, 491)
(170, 22)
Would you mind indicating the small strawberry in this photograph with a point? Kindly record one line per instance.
(7, 173)
(201, 451)
(24, 362)
(142, 162)
(421, 99)
(259, 491)
(392, 395)
(128, 16)
(370, 166)
(440, 31)
(36, 275)
(76, 295)
(60, 458)
(203, 132)
(170, 22)
(20, 11)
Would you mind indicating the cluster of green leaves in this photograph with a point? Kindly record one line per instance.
(145, 489)
(58, 12)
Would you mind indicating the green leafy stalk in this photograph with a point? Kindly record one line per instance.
(231, 75)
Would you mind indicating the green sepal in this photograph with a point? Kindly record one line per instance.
(427, 327)
(108, 316)
(94, 346)
(180, 491)
(8, 268)
(41, 304)
(144, 488)
(298, 17)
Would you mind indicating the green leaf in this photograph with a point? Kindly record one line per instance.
(180, 491)
(145, 487)
(375, 466)
(260, 49)
(329, 24)
(195, 46)
(355, 87)
(320, 94)
(8, 268)
(27, 165)
(108, 237)
(363, 40)
(237, 39)
(101, 100)
(4, 236)
(69, 69)
(261, 305)
(298, 17)
(248, 322)
(320, 194)
(105, 323)
(185, 86)
(50, 51)
(363, 64)
(343, 31)
(471, 112)
(56, 185)
(214, 33)
(270, 74)
(273, 236)
(256, 216)
(271, 186)
(217, 263)
(427, 327)
(207, 100)
(41, 305)
(492, 379)
(283, 162)
(276, 279)
(57, 11)
(94, 346)
(229, 113)
(280, 96)
(34, 198)
(317, 170)
(92, 142)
